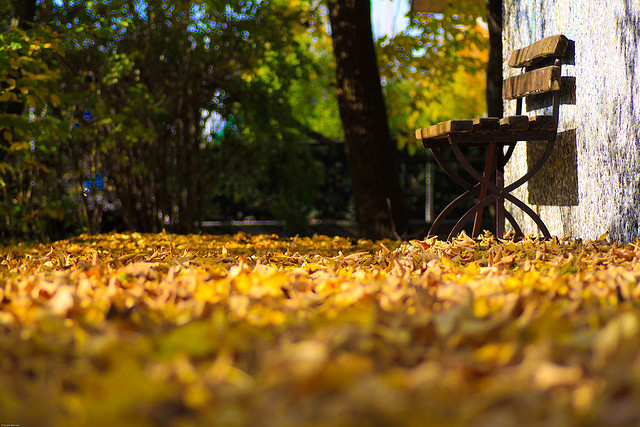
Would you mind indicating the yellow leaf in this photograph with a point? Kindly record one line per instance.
(549, 375)
(19, 146)
(62, 301)
(55, 101)
(472, 269)
(614, 335)
(495, 352)
(7, 135)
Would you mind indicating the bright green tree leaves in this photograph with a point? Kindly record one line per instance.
(435, 70)
(29, 90)
(142, 81)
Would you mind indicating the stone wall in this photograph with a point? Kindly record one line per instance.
(591, 184)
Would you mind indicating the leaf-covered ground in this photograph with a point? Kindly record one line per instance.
(131, 329)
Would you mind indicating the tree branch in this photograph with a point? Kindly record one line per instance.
(317, 136)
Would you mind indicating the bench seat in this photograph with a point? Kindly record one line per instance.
(481, 126)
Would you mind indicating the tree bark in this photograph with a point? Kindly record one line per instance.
(380, 204)
(494, 67)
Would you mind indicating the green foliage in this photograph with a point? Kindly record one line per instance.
(251, 181)
(150, 75)
(32, 201)
(435, 70)
(313, 99)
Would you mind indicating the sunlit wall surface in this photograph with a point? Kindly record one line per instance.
(591, 184)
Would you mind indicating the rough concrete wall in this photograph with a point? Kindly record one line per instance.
(591, 185)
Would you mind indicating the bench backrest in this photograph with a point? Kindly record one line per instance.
(538, 76)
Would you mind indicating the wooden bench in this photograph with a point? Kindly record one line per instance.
(541, 64)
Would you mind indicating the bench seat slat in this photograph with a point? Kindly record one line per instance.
(514, 123)
(485, 124)
(442, 129)
(488, 129)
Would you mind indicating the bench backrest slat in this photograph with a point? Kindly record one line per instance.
(537, 81)
(549, 47)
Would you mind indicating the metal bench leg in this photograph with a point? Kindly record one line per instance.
(446, 211)
(500, 200)
(481, 205)
(471, 190)
(505, 193)
(488, 166)
(450, 172)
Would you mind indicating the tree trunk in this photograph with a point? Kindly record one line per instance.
(380, 205)
(494, 67)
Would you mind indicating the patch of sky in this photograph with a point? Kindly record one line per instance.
(389, 17)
